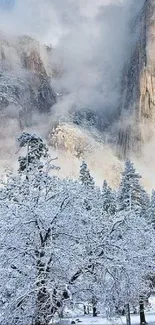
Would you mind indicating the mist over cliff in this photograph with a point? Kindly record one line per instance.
(91, 43)
(75, 72)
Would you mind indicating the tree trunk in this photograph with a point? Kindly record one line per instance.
(94, 311)
(142, 312)
(43, 301)
(94, 303)
(43, 298)
(43, 307)
(127, 312)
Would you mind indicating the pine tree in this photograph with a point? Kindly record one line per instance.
(131, 194)
(85, 177)
(36, 149)
(145, 203)
(108, 198)
(151, 211)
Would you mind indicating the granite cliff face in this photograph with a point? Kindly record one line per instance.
(137, 109)
(25, 89)
(24, 78)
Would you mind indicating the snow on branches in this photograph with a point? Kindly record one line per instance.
(65, 241)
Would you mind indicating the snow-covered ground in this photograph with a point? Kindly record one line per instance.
(102, 320)
(89, 320)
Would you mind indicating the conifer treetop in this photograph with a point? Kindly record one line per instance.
(36, 149)
(85, 176)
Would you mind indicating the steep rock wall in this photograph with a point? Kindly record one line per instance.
(137, 109)
(24, 78)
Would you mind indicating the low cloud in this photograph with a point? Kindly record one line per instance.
(91, 41)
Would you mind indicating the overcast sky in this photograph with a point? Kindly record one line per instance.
(7, 4)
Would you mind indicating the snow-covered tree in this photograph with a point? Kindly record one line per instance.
(85, 176)
(145, 203)
(108, 199)
(151, 210)
(131, 195)
(118, 262)
(35, 150)
(41, 221)
(122, 254)
(57, 242)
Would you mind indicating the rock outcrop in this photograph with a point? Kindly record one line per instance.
(137, 109)
(24, 78)
(25, 72)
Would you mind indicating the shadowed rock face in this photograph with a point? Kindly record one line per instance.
(132, 122)
(24, 80)
(25, 86)
(137, 107)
